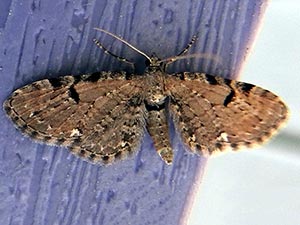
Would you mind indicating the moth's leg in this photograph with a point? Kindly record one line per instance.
(106, 51)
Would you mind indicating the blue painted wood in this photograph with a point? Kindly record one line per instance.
(41, 184)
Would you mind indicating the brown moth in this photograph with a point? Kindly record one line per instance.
(103, 116)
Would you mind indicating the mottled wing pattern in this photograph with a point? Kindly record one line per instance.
(216, 114)
(100, 116)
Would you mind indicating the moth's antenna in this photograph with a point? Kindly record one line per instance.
(194, 38)
(196, 55)
(182, 55)
(106, 51)
(125, 42)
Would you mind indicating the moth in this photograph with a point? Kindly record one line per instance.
(104, 116)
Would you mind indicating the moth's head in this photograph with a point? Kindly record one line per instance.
(154, 64)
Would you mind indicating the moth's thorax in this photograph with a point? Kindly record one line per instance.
(155, 91)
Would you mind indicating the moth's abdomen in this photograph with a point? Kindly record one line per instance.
(158, 129)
